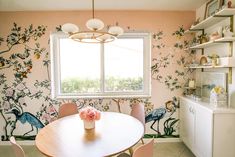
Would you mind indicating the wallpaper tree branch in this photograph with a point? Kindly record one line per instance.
(25, 102)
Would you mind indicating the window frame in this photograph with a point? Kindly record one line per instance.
(55, 70)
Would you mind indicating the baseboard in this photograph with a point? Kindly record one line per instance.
(162, 140)
(19, 142)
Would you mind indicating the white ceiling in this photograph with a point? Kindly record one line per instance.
(43, 5)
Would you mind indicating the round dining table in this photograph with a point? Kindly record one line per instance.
(66, 137)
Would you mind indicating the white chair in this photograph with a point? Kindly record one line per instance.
(145, 150)
(19, 152)
(67, 109)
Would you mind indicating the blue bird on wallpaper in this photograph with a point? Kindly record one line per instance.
(157, 114)
(29, 118)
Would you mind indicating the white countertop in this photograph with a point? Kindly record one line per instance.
(205, 104)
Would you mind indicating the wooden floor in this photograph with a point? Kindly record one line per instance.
(175, 149)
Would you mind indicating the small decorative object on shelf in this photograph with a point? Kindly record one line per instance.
(227, 32)
(203, 60)
(194, 42)
(229, 4)
(216, 35)
(212, 7)
(89, 115)
(214, 58)
(218, 97)
(203, 38)
(196, 22)
(191, 83)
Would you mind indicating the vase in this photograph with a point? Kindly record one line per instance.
(214, 61)
(89, 124)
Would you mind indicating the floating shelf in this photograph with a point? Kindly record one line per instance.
(201, 46)
(190, 31)
(214, 42)
(217, 17)
(225, 39)
(207, 67)
(225, 62)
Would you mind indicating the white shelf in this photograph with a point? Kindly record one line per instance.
(190, 31)
(225, 39)
(201, 46)
(214, 42)
(207, 67)
(219, 16)
(225, 62)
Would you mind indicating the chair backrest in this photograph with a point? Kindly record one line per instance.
(144, 150)
(67, 109)
(19, 152)
(137, 111)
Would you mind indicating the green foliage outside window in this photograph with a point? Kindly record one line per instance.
(78, 85)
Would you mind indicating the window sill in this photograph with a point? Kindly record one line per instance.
(102, 97)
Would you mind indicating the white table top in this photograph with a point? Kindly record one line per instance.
(66, 137)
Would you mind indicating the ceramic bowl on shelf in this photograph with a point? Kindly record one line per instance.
(203, 60)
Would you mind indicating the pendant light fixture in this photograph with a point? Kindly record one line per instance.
(95, 33)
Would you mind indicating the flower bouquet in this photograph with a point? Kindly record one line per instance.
(214, 59)
(218, 97)
(89, 115)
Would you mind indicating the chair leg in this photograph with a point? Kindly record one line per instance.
(131, 151)
(142, 140)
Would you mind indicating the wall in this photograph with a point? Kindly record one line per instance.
(25, 68)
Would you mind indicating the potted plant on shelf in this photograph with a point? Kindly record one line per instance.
(203, 38)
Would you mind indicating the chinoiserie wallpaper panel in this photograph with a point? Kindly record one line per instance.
(25, 69)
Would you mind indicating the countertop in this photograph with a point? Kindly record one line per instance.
(206, 104)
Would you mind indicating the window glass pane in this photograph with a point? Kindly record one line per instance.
(80, 67)
(124, 65)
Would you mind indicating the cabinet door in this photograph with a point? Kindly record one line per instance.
(203, 132)
(224, 135)
(187, 123)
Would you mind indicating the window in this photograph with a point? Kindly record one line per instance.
(116, 69)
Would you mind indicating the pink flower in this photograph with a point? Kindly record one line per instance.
(82, 114)
(9, 92)
(46, 117)
(97, 116)
(89, 114)
(52, 109)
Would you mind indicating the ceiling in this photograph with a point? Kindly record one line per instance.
(45, 5)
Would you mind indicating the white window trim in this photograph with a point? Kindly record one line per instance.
(55, 70)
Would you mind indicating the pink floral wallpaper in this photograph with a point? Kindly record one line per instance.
(25, 102)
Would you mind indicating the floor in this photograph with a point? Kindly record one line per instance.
(175, 149)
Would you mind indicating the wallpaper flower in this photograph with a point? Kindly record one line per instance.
(25, 102)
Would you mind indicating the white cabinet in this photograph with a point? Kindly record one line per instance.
(207, 131)
(186, 123)
(203, 132)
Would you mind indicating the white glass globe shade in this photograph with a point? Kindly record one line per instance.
(69, 28)
(116, 30)
(95, 24)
